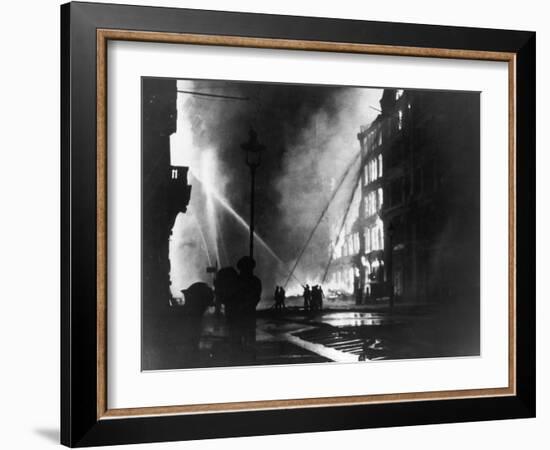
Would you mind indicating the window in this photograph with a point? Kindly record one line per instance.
(371, 174)
(400, 121)
(398, 94)
(372, 203)
(356, 243)
(174, 174)
(372, 239)
(380, 198)
(367, 240)
(380, 165)
(380, 138)
(373, 170)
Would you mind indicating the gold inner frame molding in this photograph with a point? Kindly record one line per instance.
(105, 35)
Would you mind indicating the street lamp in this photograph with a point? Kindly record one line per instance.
(253, 150)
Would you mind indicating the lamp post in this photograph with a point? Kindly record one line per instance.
(252, 149)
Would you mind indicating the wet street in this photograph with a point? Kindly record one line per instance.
(342, 332)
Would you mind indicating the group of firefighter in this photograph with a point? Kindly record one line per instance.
(313, 298)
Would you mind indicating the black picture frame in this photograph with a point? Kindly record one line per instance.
(80, 425)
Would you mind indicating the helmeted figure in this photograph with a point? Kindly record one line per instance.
(240, 293)
(317, 298)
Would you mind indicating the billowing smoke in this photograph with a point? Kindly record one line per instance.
(323, 164)
(310, 138)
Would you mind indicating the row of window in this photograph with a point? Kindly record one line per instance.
(350, 245)
(374, 202)
(375, 137)
(373, 170)
(374, 238)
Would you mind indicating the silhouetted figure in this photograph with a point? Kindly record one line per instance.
(250, 286)
(307, 297)
(197, 298)
(357, 291)
(314, 295)
(241, 294)
(280, 296)
(279, 301)
(317, 298)
(226, 288)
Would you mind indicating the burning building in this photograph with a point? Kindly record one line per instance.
(357, 248)
(344, 249)
(411, 231)
(370, 282)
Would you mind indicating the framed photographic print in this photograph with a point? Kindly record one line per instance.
(276, 224)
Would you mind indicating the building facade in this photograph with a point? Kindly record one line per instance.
(165, 190)
(430, 148)
(370, 283)
(414, 233)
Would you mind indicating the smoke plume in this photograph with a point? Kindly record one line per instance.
(310, 134)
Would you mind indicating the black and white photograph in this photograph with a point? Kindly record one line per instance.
(275, 224)
(300, 224)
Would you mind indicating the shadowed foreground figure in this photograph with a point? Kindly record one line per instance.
(240, 293)
(198, 297)
(177, 332)
(225, 286)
